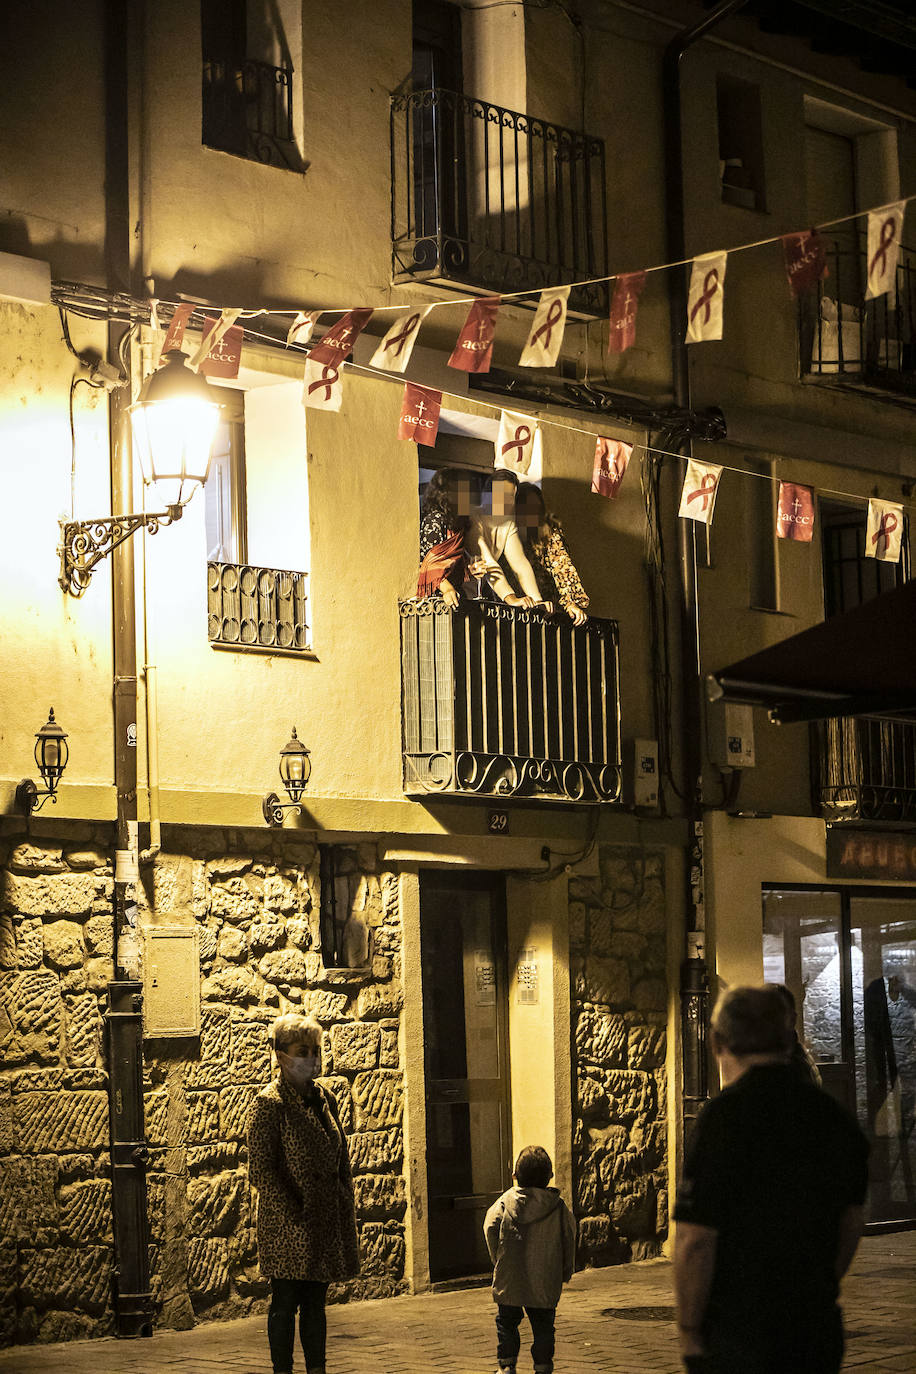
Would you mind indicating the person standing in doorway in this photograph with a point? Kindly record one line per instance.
(531, 1237)
(770, 1207)
(306, 1217)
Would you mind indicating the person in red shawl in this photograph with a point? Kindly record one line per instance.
(444, 518)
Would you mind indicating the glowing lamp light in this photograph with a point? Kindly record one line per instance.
(173, 422)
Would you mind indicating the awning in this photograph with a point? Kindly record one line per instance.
(862, 662)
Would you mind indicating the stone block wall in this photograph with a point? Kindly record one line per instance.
(254, 897)
(617, 936)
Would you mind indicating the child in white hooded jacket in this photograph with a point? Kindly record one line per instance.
(531, 1237)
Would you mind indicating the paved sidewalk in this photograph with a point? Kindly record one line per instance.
(616, 1320)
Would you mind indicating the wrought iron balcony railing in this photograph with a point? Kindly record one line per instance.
(257, 608)
(248, 111)
(496, 199)
(864, 768)
(505, 703)
(857, 341)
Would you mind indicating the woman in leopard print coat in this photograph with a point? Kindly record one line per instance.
(306, 1218)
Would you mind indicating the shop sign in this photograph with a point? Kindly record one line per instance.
(887, 854)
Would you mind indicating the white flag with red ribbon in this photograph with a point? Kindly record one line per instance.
(704, 298)
(393, 353)
(885, 228)
(698, 494)
(323, 386)
(611, 458)
(419, 413)
(515, 443)
(884, 531)
(546, 337)
(300, 331)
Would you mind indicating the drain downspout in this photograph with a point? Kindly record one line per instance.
(694, 984)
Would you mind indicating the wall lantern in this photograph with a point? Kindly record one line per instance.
(173, 422)
(295, 770)
(51, 754)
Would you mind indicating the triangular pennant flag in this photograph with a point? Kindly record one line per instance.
(795, 512)
(535, 473)
(546, 337)
(473, 349)
(300, 331)
(698, 494)
(323, 386)
(174, 335)
(806, 260)
(624, 304)
(611, 458)
(704, 299)
(884, 531)
(393, 353)
(514, 447)
(885, 227)
(337, 343)
(419, 414)
(220, 350)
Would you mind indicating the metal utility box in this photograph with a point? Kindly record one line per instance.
(171, 981)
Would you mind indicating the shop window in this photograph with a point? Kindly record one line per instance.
(247, 80)
(741, 163)
(224, 491)
(849, 577)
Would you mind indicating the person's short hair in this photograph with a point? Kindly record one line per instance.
(294, 1028)
(788, 996)
(499, 475)
(752, 1021)
(533, 1168)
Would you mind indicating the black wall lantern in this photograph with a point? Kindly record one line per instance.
(51, 754)
(295, 770)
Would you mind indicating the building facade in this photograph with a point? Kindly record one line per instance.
(505, 933)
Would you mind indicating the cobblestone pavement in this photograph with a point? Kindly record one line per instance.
(615, 1320)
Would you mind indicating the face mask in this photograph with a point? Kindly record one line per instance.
(299, 1071)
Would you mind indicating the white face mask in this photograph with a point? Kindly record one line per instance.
(299, 1070)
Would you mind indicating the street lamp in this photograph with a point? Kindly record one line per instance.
(295, 770)
(51, 754)
(173, 422)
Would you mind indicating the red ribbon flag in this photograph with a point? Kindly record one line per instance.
(224, 357)
(611, 458)
(795, 512)
(337, 343)
(174, 337)
(806, 263)
(624, 304)
(420, 414)
(473, 349)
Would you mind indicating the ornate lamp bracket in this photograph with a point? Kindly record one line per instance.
(84, 543)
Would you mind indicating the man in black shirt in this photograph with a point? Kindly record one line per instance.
(770, 1208)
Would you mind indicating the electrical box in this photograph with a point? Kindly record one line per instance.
(171, 981)
(645, 772)
(731, 735)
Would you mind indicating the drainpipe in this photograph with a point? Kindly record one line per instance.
(694, 987)
(124, 1031)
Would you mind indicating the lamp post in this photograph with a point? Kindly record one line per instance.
(295, 771)
(173, 422)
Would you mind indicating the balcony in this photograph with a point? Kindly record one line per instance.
(502, 703)
(850, 341)
(490, 198)
(257, 608)
(863, 768)
(248, 110)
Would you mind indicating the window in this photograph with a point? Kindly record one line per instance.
(247, 74)
(849, 577)
(741, 166)
(224, 491)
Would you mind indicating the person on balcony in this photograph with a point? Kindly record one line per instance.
(493, 537)
(445, 520)
(542, 536)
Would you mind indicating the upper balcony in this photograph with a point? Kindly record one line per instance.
(506, 703)
(490, 198)
(864, 768)
(851, 341)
